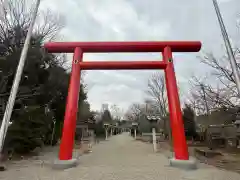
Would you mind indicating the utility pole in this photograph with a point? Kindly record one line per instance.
(230, 53)
(17, 79)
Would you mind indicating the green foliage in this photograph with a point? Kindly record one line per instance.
(84, 112)
(189, 122)
(106, 117)
(44, 85)
(99, 126)
(144, 125)
(99, 129)
(29, 130)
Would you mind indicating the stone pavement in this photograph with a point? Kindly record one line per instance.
(119, 158)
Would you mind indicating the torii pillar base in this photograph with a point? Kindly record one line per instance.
(64, 164)
(190, 164)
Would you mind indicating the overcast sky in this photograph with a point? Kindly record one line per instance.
(136, 20)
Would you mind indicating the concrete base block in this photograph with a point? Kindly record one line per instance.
(190, 164)
(64, 164)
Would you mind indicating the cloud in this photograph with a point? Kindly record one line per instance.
(137, 20)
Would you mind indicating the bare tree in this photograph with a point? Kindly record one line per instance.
(17, 14)
(157, 92)
(137, 109)
(116, 112)
(224, 93)
(133, 112)
(149, 107)
(209, 97)
(14, 22)
(200, 97)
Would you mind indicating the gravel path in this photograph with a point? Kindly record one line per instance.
(119, 158)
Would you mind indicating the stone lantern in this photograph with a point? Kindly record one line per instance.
(153, 122)
(135, 126)
(106, 126)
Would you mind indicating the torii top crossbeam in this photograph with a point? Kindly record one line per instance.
(104, 47)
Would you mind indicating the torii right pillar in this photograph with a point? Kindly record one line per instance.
(181, 157)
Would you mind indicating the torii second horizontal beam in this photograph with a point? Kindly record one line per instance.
(122, 65)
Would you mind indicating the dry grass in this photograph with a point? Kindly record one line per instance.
(229, 160)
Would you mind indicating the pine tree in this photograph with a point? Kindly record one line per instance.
(189, 122)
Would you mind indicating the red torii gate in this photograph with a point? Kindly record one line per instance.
(78, 48)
